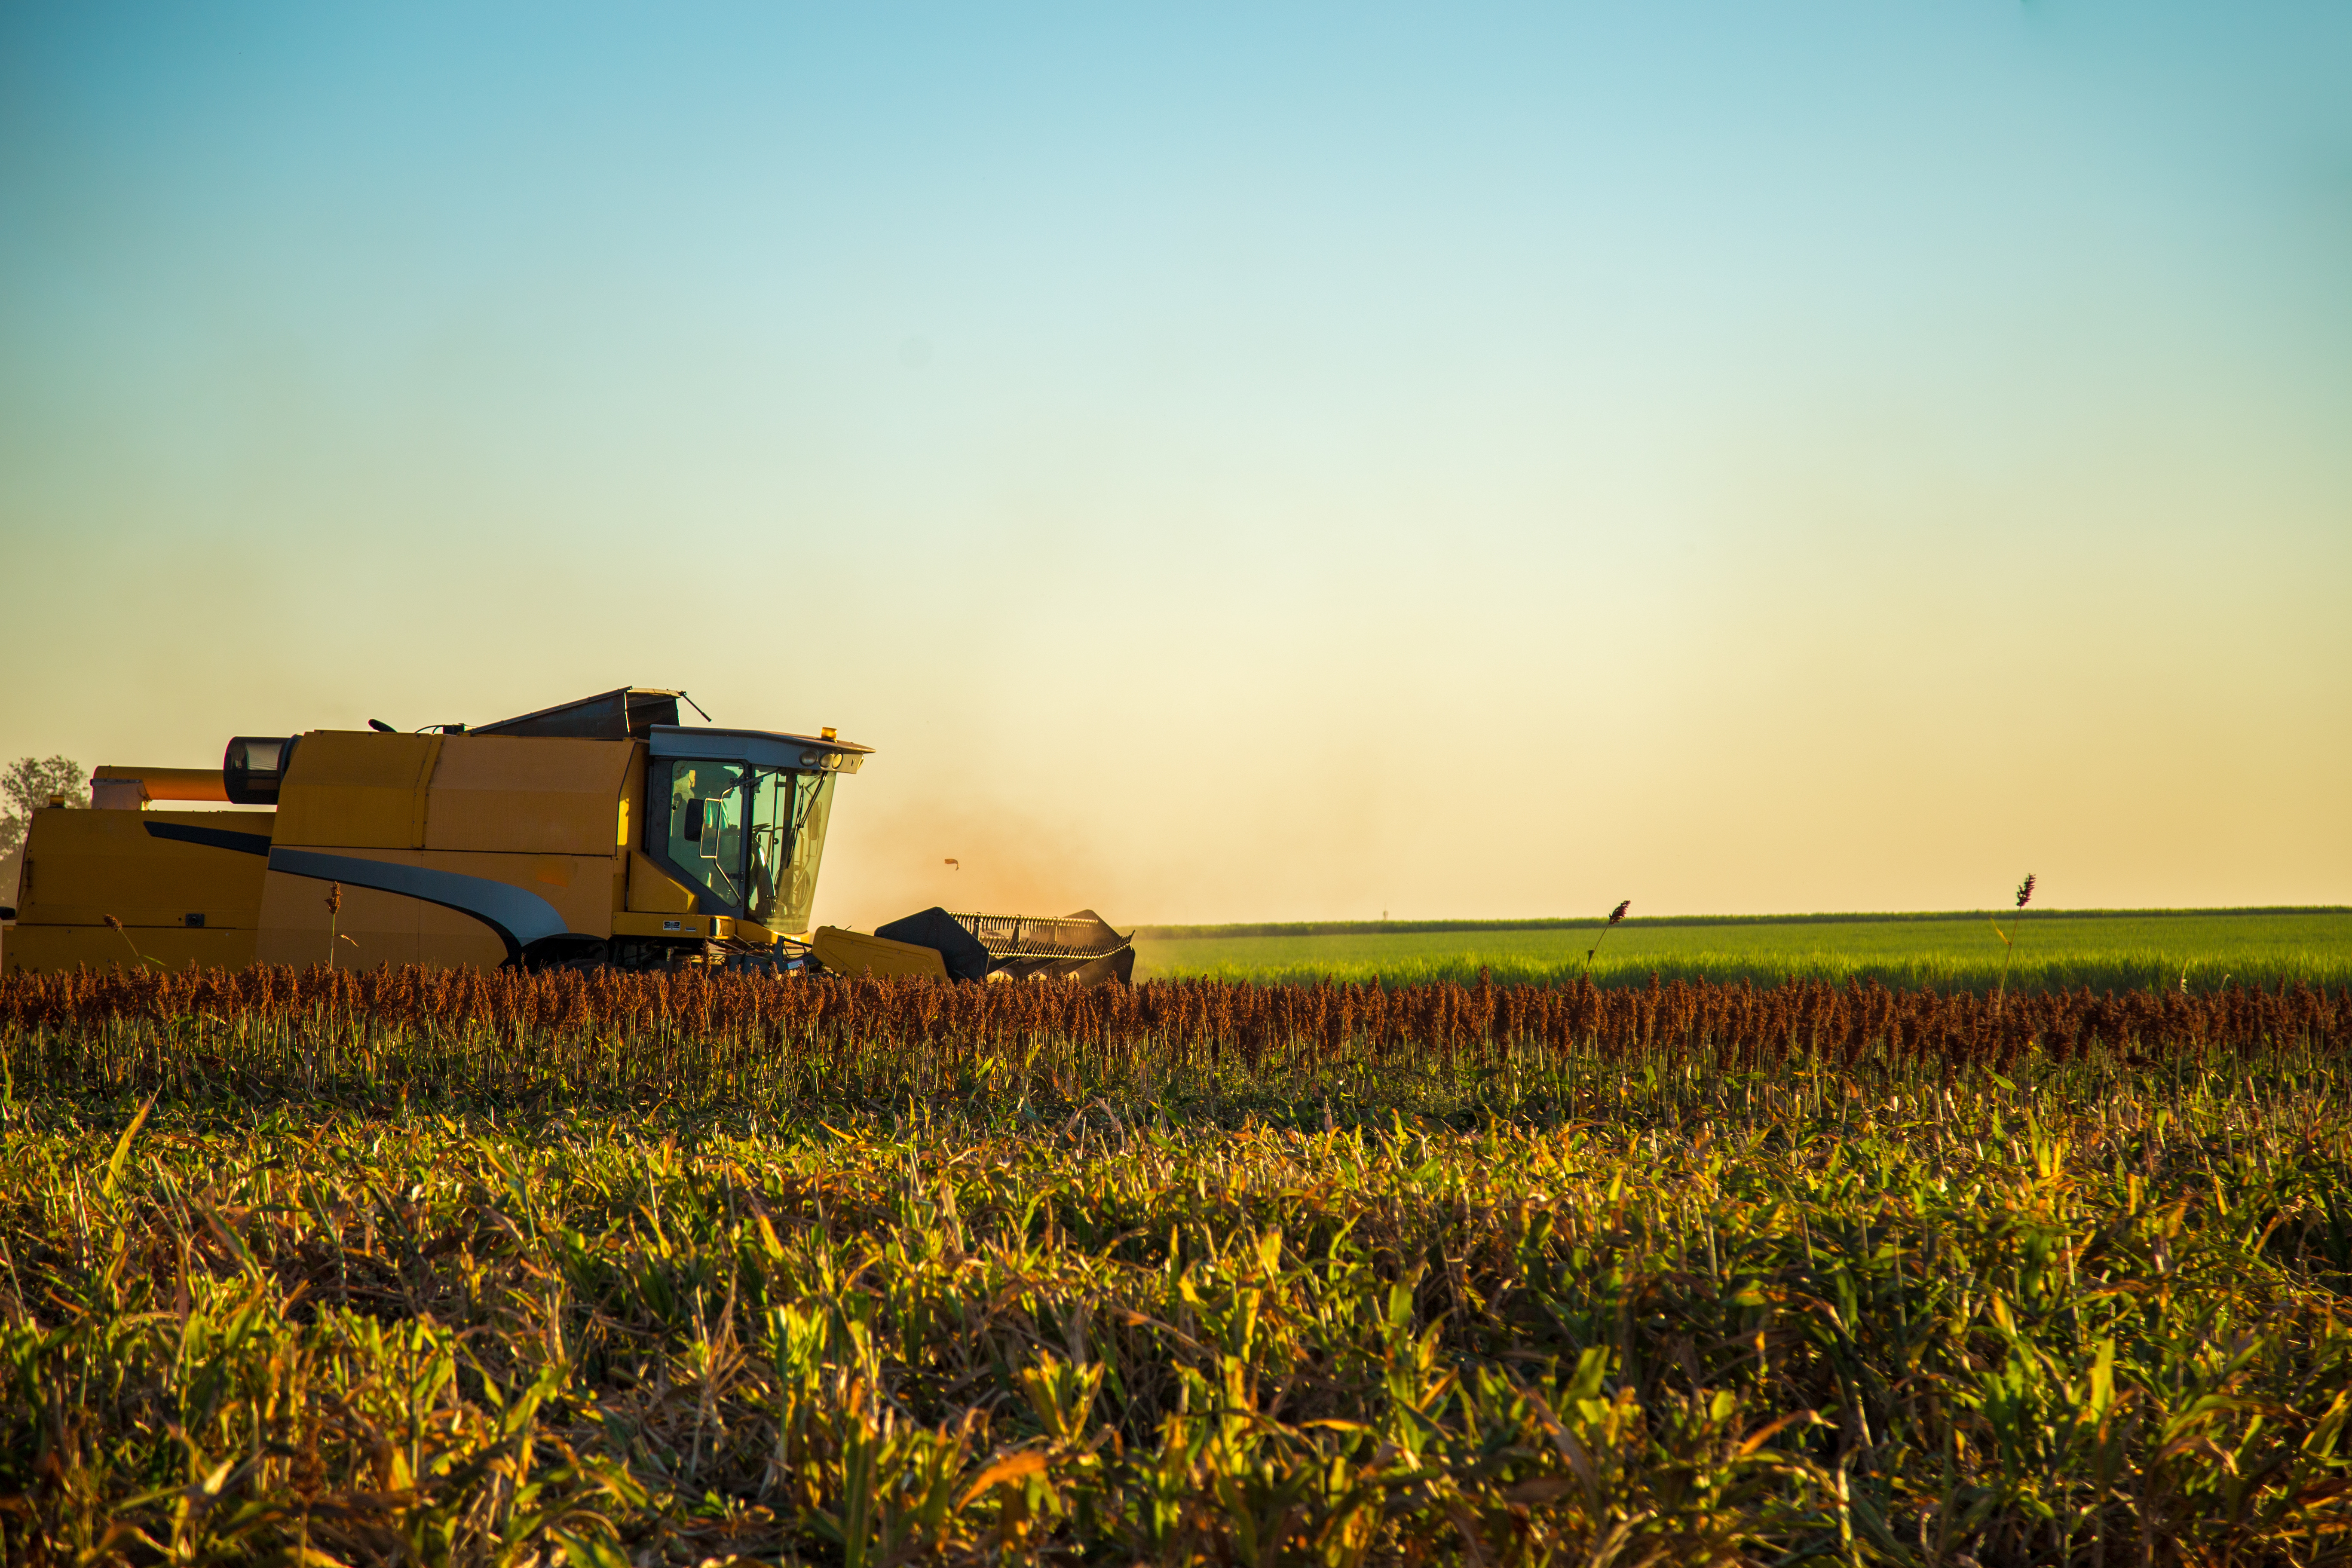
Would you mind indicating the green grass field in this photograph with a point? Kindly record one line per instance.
(2103, 951)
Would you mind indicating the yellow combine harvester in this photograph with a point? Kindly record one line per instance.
(600, 832)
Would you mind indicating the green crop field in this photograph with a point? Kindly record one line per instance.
(423, 1267)
(2054, 949)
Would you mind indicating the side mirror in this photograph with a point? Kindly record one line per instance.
(692, 831)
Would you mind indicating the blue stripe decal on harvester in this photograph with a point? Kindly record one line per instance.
(211, 837)
(518, 916)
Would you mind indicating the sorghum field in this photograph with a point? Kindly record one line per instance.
(445, 1267)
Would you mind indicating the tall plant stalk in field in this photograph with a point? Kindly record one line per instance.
(115, 925)
(2008, 942)
(334, 914)
(1614, 916)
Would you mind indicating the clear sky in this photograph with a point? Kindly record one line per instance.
(1234, 462)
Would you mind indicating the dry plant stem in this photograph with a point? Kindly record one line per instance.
(116, 926)
(334, 914)
(2009, 947)
(1614, 916)
(2009, 950)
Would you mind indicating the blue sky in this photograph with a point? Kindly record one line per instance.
(1235, 463)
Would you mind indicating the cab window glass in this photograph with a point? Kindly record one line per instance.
(704, 835)
(789, 814)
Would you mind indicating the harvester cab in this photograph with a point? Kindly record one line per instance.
(600, 832)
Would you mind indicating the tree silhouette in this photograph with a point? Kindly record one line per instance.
(32, 783)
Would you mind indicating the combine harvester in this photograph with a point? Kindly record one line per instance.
(599, 833)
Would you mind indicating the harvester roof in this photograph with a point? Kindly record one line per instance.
(650, 714)
(762, 748)
(625, 714)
